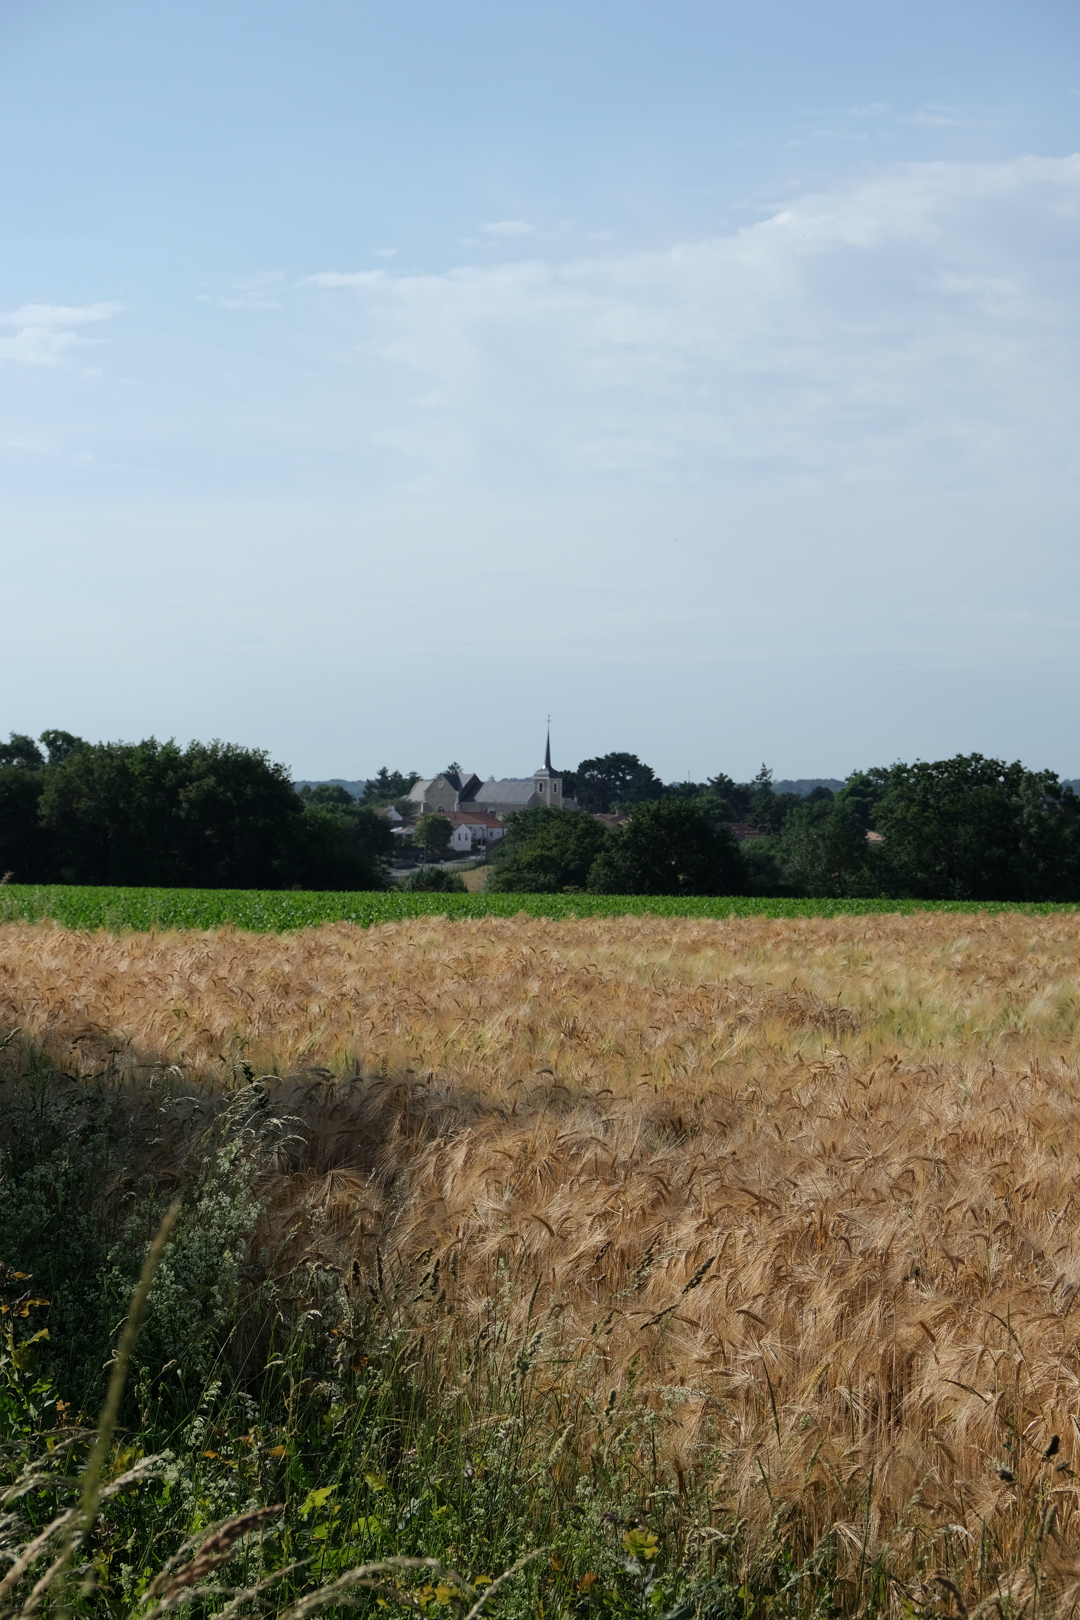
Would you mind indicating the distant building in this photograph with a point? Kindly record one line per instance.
(457, 791)
(742, 830)
(440, 794)
(474, 829)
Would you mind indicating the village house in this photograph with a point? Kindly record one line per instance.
(474, 830)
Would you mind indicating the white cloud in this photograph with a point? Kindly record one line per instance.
(509, 227)
(46, 334)
(348, 278)
(922, 319)
(252, 292)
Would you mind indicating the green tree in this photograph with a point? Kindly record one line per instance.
(328, 793)
(767, 809)
(61, 745)
(340, 847)
(971, 828)
(433, 834)
(860, 795)
(387, 786)
(823, 852)
(546, 851)
(763, 875)
(735, 796)
(27, 849)
(22, 751)
(668, 846)
(151, 813)
(615, 779)
(213, 815)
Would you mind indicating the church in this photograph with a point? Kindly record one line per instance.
(457, 790)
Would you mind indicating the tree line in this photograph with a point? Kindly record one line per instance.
(967, 828)
(216, 815)
(211, 815)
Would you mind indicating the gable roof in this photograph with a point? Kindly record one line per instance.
(511, 790)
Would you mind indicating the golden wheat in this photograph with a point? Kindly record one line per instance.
(808, 1188)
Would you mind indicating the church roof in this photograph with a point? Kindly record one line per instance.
(511, 790)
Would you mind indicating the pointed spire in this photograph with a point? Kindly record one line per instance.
(547, 755)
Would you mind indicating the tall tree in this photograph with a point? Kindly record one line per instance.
(61, 745)
(22, 751)
(615, 780)
(971, 828)
(386, 786)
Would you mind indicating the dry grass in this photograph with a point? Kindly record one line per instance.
(808, 1189)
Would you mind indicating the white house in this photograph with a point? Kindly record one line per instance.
(474, 830)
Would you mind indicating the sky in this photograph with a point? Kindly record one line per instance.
(376, 381)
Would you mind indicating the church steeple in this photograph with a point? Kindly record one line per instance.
(548, 782)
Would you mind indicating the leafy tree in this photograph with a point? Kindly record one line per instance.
(860, 795)
(763, 874)
(972, 828)
(734, 795)
(387, 786)
(26, 847)
(768, 809)
(546, 851)
(22, 751)
(61, 745)
(341, 847)
(718, 810)
(615, 779)
(328, 793)
(668, 846)
(823, 852)
(212, 815)
(433, 834)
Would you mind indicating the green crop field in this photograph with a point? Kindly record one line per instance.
(274, 911)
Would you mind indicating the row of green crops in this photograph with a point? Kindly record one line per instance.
(270, 911)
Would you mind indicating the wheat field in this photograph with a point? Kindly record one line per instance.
(791, 1206)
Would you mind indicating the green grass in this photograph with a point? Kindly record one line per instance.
(274, 911)
(371, 1423)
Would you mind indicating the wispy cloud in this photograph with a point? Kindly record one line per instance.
(509, 227)
(935, 118)
(251, 292)
(922, 319)
(348, 278)
(47, 334)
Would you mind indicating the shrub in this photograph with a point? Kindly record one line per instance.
(433, 880)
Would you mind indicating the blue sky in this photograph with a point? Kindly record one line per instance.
(376, 380)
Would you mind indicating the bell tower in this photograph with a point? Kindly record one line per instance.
(548, 783)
